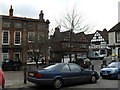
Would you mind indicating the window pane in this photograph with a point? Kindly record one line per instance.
(17, 55)
(18, 25)
(118, 36)
(31, 36)
(41, 37)
(5, 56)
(5, 37)
(6, 24)
(17, 38)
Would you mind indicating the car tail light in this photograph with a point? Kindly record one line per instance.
(38, 75)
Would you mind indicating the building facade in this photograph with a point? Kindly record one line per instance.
(66, 43)
(17, 34)
(114, 39)
(99, 42)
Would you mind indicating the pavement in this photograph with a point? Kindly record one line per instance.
(15, 79)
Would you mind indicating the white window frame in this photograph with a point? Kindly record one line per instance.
(17, 53)
(14, 38)
(7, 54)
(33, 37)
(8, 37)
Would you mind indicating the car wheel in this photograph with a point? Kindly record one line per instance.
(118, 76)
(17, 68)
(93, 79)
(58, 83)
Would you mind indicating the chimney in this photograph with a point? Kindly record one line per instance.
(41, 16)
(57, 29)
(11, 11)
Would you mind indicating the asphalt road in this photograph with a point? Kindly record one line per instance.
(15, 79)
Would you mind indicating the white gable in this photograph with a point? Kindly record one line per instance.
(97, 37)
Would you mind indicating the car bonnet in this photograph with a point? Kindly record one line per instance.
(108, 69)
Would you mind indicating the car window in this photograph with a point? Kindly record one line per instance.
(50, 67)
(74, 68)
(65, 68)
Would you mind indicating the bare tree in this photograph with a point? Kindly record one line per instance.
(73, 21)
(35, 52)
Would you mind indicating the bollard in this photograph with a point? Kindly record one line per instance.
(92, 67)
(25, 76)
(101, 66)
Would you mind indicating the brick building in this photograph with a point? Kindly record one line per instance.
(60, 46)
(17, 33)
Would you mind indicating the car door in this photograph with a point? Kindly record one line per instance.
(77, 75)
(66, 74)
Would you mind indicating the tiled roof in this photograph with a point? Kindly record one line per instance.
(104, 33)
(115, 28)
(15, 17)
(89, 36)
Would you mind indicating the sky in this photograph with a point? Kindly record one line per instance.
(98, 14)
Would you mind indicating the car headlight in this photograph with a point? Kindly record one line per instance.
(113, 71)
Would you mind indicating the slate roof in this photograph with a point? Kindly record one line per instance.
(89, 37)
(104, 34)
(115, 28)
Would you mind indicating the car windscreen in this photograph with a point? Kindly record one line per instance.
(114, 65)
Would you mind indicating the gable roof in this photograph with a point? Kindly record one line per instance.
(104, 34)
(115, 28)
(89, 37)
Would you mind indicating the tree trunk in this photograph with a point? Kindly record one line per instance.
(70, 57)
(37, 64)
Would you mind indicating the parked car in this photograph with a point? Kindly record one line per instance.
(83, 62)
(2, 79)
(12, 64)
(60, 74)
(111, 71)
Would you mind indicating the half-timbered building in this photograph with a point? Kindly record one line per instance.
(99, 42)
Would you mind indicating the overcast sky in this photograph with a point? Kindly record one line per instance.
(98, 13)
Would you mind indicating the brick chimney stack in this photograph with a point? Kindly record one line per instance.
(11, 11)
(41, 16)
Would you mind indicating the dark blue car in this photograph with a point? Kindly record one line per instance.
(112, 71)
(60, 74)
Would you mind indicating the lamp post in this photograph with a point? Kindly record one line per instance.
(71, 45)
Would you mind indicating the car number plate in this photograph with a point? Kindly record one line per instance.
(105, 74)
(31, 74)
